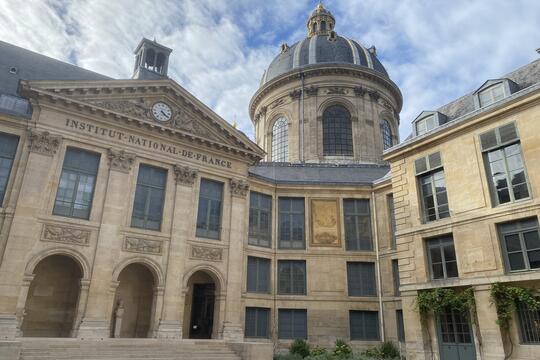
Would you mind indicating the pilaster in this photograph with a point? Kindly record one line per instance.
(490, 338)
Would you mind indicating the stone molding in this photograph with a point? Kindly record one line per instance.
(65, 234)
(206, 253)
(295, 94)
(239, 187)
(120, 160)
(43, 142)
(185, 175)
(144, 246)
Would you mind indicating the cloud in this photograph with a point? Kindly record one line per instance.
(435, 51)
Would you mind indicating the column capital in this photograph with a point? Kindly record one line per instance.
(42, 142)
(239, 187)
(120, 160)
(184, 175)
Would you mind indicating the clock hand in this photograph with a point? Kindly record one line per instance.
(164, 113)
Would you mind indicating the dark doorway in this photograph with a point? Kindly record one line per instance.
(456, 340)
(202, 311)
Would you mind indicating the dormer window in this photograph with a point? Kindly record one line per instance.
(493, 91)
(427, 121)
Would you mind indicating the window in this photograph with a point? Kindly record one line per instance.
(395, 274)
(280, 140)
(504, 164)
(291, 223)
(361, 279)
(357, 224)
(77, 182)
(209, 213)
(426, 124)
(292, 324)
(491, 94)
(8, 148)
(149, 198)
(257, 322)
(14, 104)
(260, 219)
(337, 131)
(292, 277)
(432, 185)
(521, 244)
(400, 326)
(386, 133)
(258, 275)
(364, 325)
(442, 258)
(529, 324)
(392, 217)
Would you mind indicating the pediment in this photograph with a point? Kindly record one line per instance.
(133, 100)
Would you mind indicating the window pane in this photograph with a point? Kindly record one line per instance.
(361, 279)
(292, 324)
(8, 148)
(516, 261)
(209, 211)
(149, 198)
(280, 141)
(337, 131)
(292, 277)
(291, 225)
(357, 224)
(386, 134)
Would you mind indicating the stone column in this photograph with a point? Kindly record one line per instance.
(232, 326)
(25, 230)
(490, 338)
(170, 325)
(96, 322)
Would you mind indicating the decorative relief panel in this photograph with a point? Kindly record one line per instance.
(145, 246)
(185, 175)
(43, 142)
(121, 160)
(239, 187)
(325, 228)
(64, 234)
(206, 253)
(336, 91)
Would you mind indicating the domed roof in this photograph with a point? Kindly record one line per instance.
(322, 46)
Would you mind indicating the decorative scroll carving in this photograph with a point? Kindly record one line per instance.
(206, 253)
(374, 94)
(239, 187)
(185, 175)
(145, 246)
(336, 91)
(295, 94)
(359, 91)
(121, 160)
(312, 91)
(277, 103)
(43, 142)
(127, 107)
(324, 222)
(65, 235)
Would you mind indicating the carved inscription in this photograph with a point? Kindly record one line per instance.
(64, 234)
(206, 253)
(145, 246)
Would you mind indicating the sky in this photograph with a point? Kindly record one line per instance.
(435, 51)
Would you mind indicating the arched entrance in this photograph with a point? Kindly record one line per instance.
(200, 310)
(133, 302)
(52, 298)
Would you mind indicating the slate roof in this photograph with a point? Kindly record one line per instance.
(318, 174)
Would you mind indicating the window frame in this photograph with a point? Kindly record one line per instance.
(259, 236)
(440, 242)
(391, 220)
(293, 312)
(292, 283)
(259, 262)
(357, 216)
(337, 132)
(11, 159)
(364, 326)
(489, 90)
(291, 213)
(520, 230)
(523, 313)
(280, 140)
(257, 310)
(205, 232)
(424, 121)
(395, 277)
(400, 325)
(363, 291)
(434, 168)
(386, 134)
(151, 189)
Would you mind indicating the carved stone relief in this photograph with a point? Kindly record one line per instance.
(239, 187)
(325, 222)
(336, 91)
(312, 90)
(121, 160)
(43, 142)
(64, 234)
(127, 107)
(206, 253)
(295, 94)
(185, 175)
(145, 246)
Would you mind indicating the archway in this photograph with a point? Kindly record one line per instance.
(201, 312)
(132, 314)
(52, 298)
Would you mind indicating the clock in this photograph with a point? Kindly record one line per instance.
(161, 111)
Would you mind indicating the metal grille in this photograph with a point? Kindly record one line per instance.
(337, 131)
(280, 140)
(529, 322)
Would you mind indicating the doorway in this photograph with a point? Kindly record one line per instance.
(456, 339)
(200, 309)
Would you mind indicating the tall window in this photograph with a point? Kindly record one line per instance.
(521, 244)
(292, 277)
(258, 275)
(430, 174)
(337, 131)
(442, 258)
(77, 182)
(400, 325)
(149, 198)
(392, 217)
(209, 213)
(426, 124)
(361, 279)
(357, 224)
(504, 164)
(8, 148)
(280, 140)
(386, 133)
(260, 219)
(395, 274)
(529, 323)
(257, 322)
(364, 325)
(292, 324)
(291, 223)
(491, 95)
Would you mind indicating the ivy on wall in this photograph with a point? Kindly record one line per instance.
(505, 299)
(437, 301)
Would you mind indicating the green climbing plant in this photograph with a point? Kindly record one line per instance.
(505, 298)
(436, 301)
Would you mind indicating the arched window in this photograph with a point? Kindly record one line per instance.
(337, 131)
(386, 133)
(149, 60)
(280, 140)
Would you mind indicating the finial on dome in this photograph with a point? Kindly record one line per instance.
(321, 21)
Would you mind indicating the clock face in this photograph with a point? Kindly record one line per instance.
(161, 111)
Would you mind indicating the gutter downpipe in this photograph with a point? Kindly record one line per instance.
(302, 119)
(379, 281)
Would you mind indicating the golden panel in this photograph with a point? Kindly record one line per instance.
(325, 229)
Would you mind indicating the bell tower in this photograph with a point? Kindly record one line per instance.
(151, 60)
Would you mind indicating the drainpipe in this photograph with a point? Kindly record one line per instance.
(379, 281)
(302, 119)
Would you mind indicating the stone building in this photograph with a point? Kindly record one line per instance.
(129, 209)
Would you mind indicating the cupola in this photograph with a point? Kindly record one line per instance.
(321, 21)
(151, 60)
